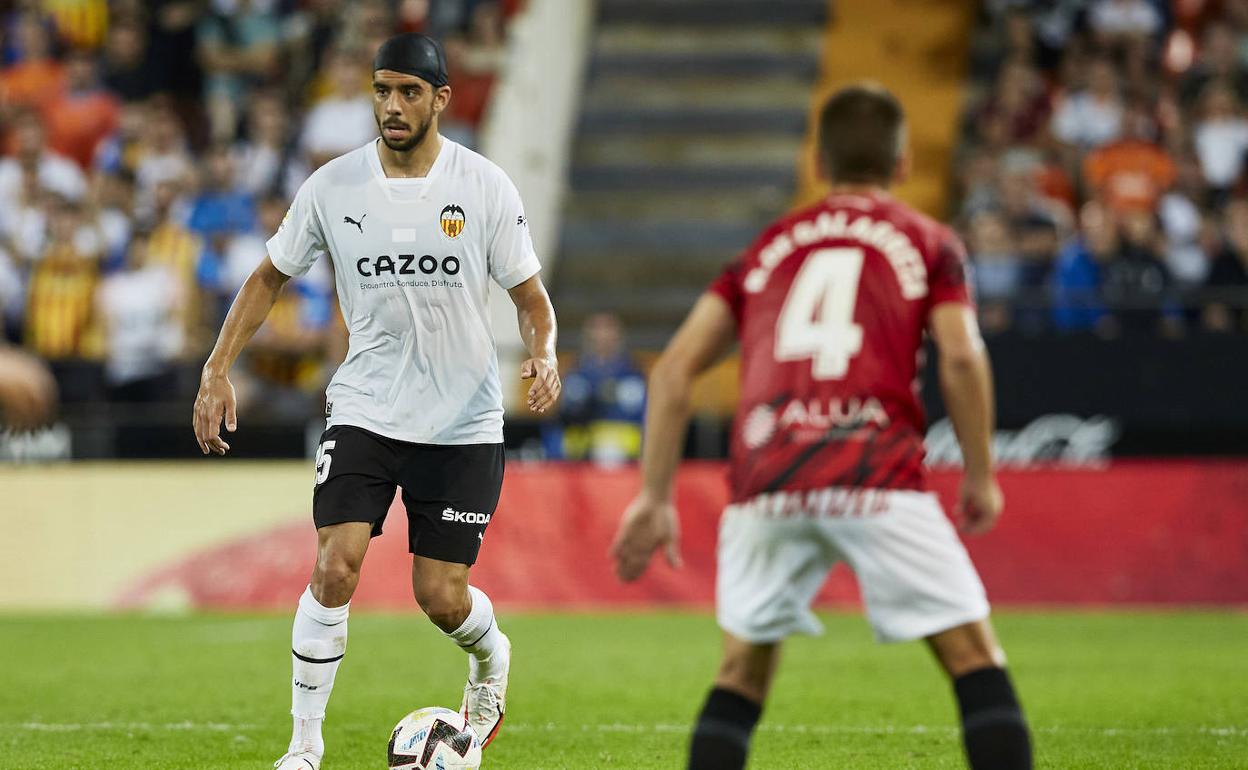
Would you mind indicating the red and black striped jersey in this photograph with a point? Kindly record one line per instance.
(831, 304)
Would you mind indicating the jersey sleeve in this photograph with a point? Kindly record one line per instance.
(727, 286)
(300, 240)
(512, 258)
(949, 279)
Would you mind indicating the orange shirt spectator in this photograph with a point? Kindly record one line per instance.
(1130, 175)
(36, 78)
(33, 83)
(81, 115)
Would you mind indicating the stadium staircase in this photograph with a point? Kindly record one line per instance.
(689, 140)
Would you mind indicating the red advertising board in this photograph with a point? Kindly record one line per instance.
(1137, 532)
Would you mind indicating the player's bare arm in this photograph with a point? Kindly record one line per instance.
(539, 331)
(215, 400)
(650, 521)
(966, 385)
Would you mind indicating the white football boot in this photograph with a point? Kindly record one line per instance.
(485, 702)
(298, 760)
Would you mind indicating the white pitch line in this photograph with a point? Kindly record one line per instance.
(67, 727)
(659, 727)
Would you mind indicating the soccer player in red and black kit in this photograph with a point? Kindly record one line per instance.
(830, 306)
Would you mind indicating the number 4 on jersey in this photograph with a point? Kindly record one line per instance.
(817, 320)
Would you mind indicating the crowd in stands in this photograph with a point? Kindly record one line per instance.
(1101, 180)
(151, 148)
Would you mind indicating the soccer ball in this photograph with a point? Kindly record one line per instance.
(434, 739)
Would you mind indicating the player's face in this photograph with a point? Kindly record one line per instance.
(405, 107)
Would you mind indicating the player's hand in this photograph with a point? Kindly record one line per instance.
(214, 403)
(648, 525)
(979, 504)
(27, 391)
(544, 391)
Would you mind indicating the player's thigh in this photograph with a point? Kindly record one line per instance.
(451, 495)
(769, 571)
(915, 575)
(355, 478)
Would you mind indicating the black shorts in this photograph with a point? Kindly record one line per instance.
(450, 491)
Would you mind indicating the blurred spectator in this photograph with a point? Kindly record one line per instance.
(161, 155)
(266, 159)
(1019, 109)
(1114, 20)
(59, 323)
(36, 77)
(1229, 275)
(34, 169)
(170, 244)
(344, 120)
(1185, 227)
(27, 391)
(138, 310)
(1217, 62)
(127, 72)
(1033, 221)
(238, 49)
(1130, 174)
(474, 59)
(171, 38)
(247, 250)
(1221, 138)
(998, 269)
(1092, 115)
(83, 114)
(1077, 303)
(309, 34)
(221, 211)
(1137, 283)
(604, 398)
(977, 177)
(79, 23)
(114, 196)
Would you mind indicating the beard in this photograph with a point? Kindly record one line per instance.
(412, 141)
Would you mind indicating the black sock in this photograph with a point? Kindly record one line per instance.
(993, 727)
(721, 738)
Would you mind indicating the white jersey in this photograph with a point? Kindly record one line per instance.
(412, 260)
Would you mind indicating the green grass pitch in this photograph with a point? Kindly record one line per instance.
(1102, 690)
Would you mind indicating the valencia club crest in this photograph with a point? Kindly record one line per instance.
(452, 221)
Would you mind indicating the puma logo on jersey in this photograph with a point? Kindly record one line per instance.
(359, 224)
(465, 517)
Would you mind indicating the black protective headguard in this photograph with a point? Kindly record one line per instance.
(413, 54)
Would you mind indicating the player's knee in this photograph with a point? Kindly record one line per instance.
(334, 579)
(445, 605)
(746, 670)
(968, 648)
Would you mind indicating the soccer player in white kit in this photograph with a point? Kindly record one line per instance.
(416, 226)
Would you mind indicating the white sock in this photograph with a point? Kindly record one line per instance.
(480, 638)
(318, 642)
